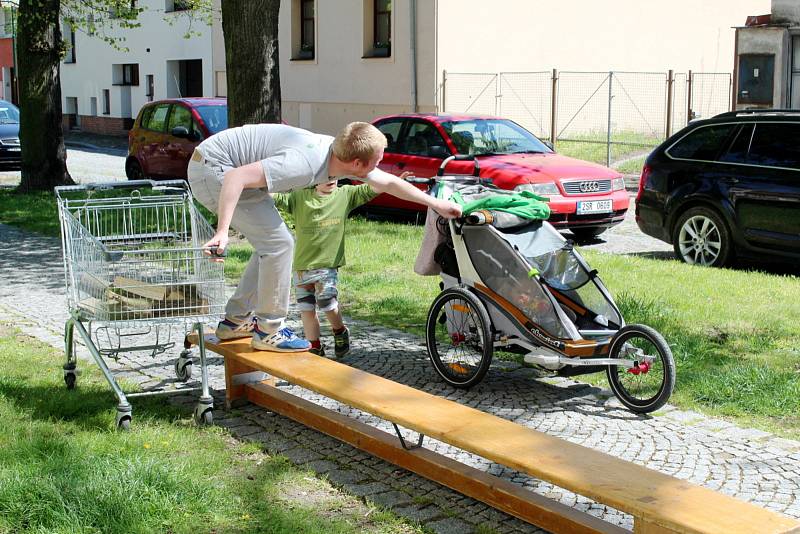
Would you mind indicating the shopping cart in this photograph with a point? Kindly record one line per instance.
(135, 268)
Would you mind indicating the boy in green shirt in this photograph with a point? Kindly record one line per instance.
(319, 220)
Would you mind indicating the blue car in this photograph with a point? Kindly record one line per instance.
(9, 134)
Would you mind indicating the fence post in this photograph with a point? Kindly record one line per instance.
(670, 89)
(689, 98)
(608, 130)
(498, 94)
(554, 109)
(444, 89)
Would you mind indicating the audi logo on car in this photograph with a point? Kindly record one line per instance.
(590, 186)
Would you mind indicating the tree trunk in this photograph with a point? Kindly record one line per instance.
(39, 49)
(250, 28)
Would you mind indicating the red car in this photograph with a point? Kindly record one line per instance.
(166, 132)
(585, 198)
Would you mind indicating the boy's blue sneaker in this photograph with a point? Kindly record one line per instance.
(228, 329)
(284, 340)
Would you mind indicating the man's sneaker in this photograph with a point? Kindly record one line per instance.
(227, 329)
(283, 340)
(341, 343)
(318, 351)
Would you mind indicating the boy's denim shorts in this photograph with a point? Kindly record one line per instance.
(316, 289)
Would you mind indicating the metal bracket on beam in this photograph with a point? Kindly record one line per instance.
(403, 441)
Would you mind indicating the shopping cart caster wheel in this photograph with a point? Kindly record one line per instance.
(183, 369)
(123, 421)
(70, 378)
(204, 418)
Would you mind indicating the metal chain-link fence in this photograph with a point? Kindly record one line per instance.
(614, 118)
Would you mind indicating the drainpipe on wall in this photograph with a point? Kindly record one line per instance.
(413, 34)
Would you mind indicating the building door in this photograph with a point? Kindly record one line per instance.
(191, 72)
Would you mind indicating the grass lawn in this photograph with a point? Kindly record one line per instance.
(63, 469)
(733, 332)
(628, 149)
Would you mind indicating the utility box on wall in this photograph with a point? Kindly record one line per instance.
(756, 79)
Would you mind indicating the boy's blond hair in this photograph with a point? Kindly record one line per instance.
(358, 140)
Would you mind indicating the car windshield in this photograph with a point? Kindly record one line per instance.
(214, 117)
(9, 114)
(492, 136)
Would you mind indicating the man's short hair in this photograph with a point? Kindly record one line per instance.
(358, 140)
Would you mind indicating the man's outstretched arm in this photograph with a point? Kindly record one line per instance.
(383, 182)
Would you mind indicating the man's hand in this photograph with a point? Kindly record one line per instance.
(447, 209)
(216, 247)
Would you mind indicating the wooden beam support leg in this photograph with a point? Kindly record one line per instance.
(496, 492)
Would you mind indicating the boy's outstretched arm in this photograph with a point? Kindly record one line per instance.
(383, 182)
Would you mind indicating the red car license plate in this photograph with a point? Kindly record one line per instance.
(594, 206)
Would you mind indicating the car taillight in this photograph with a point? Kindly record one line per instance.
(642, 180)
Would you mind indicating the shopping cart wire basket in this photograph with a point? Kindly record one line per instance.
(135, 268)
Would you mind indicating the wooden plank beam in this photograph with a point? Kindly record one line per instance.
(501, 494)
(653, 498)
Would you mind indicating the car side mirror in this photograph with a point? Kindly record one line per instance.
(438, 151)
(181, 131)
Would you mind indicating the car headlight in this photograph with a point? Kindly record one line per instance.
(618, 184)
(545, 189)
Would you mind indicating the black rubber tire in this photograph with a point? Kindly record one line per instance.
(701, 237)
(617, 375)
(206, 418)
(124, 424)
(478, 335)
(183, 372)
(588, 232)
(133, 170)
(70, 379)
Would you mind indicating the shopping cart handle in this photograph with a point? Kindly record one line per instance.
(417, 180)
(130, 184)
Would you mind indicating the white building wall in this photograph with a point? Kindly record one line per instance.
(619, 35)
(159, 39)
(339, 85)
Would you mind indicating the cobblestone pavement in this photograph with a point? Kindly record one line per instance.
(746, 463)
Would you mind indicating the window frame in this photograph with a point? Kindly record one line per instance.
(154, 107)
(410, 123)
(378, 50)
(727, 145)
(106, 102)
(306, 50)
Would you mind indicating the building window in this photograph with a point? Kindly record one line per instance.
(106, 102)
(150, 94)
(382, 27)
(130, 74)
(9, 14)
(70, 55)
(125, 74)
(93, 106)
(177, 5)
(306, 13)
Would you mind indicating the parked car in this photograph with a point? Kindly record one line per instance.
(726, 186)
(10, 153)
(584, 197)
(166, 132)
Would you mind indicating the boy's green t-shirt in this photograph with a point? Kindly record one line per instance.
(319, 222)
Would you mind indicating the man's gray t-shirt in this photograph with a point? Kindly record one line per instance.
(292, 158)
